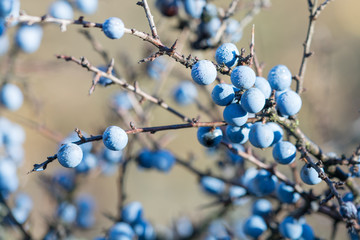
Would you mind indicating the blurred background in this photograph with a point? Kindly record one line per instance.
(57, 97)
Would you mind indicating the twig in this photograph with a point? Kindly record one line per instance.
(150, 18)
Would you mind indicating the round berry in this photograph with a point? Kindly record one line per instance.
(103, 80)
(115, 138)
(4, 44)
(168, 8)
(253, 100)
(233, 30)
(121, 230)
(185, 93)
(238, 134)
(279, 78)
(132, 212)
(212, 185)
(289, 103)
(284, 152)
(227, 54)
(307, 233)
(262, 207)
(210, 29)
(194, 8)
(87, 6)
(203, 72)
(144, 158)
(235, 115)
(286, 193)
(208, 136)
(309, 175)
(70, 155)
(234, 157)
(113, 28)
(223, 94)
(290, 228)
(28, 38)
(243, 77)
(263, 85)
(61, 9)
(254, 226)
(163, 160)
(88, 163)
(261, 135)
(264, 183)
(277, 130)
(11, 96)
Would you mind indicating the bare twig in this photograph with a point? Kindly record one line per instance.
(150, 18)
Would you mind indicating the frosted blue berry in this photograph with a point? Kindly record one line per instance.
(261, 135)
(4, 44)
(348, 210)
(280, 78)
(286, 193)
(212, 185)
(194, 8)
(11, 96)
(121, 230)
(203, 72)
(289, 103)
(115, 138)
(309, 175)
(227, 54)
(253, 100)
(277, 130)
(185, 93)
(223, 94)
(5, 7)
(70, 155)
(210, 29)
(284, 152)
(235, 115)
(28, 38)
(66, 212)
(233, 30)
(243, 77)
(263, 85)
(254, 226)
(262, 207)
(290, 228)
(208, 136)
(307, 233)
(113, 28)
(87, 6)
(132, 212)
(74, 137)
(238, 134)
(61, 9)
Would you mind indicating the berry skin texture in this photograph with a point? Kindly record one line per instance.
(263, 85)
(253, 100)
(243, 77)
(209, 137)
(115, 138)
(61, 9)
(235, 115)
(286, 194)
(264, 183)
(212, 185)
(238, 134)
(227, 54)
(113, 28)
(261, 135)
(290, 228)
(309, 175)
(284, 152)
(254, 226)
(11, 97)
(223, 94)
(203, 72)
(277, 130)
(70, 155)
(280, 78)
(194, 8)
(289, 103)
(87, 6)
(28, 38)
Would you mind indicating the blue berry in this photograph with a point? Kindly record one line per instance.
(235, 115)
(261, 135)
(122, 101)
(238, 134)
(144, 159)
(184, 227)
(23, 201)
(115, 138)
(14, 135)
(234, 157)
(65, 179)
(132, 212)
(277, 130)
(111, 156)
(286, 193)
(144, 230)
(262, 207)
(61, 9)
(280, 78)
(223, 94)
(11, 96)
(348, 197)
(243, 77)
(264, 182)
(168, 8)
(9, 181)
(290, 228)
(185, 93)
(70, 155)
(289, 103)
(203, 72)
(307, 233)
(28, 37)
(233, 30)
(209, 11)
(263, 85)
(208, 136)
(4, 44)
(2, 27)
(74, 137)
(5, 7)
(87, 6)
(194, 8)
(88, 163)
(309, 175)
(253, 100)
(284, 152)
(227, 54)
(163, 160)
(236, 193)
(254, 226)
(66, 212)
(212, 185)
(113, 28)
(156, 68)
(121, 230)
(210, 29)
